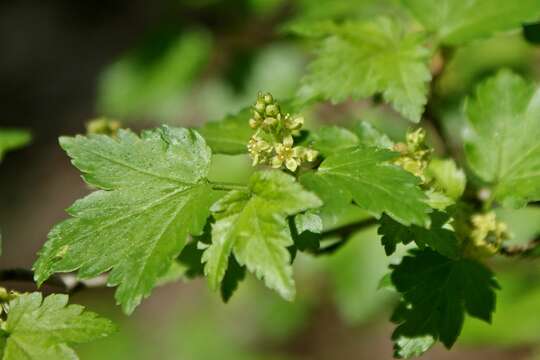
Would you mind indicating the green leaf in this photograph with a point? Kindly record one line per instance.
(43, 329)
(360, 60)
(337, 210)
(447, 178)
(190, 259)
(330, 139)
(308, 221)
(437, 237)
(233, 276)
(394, 233)
(371, 136)
(523, 224)
(313, 17)
(252, 225)
(306, 229)
(230, 135)
(364, 174)
(436, 294)
(502, 144)
(458, 21)
(12, 139)
(512, 324)
(154, 194)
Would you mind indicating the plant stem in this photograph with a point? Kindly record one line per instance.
(66, 283)
(25, 275)
(522, 251)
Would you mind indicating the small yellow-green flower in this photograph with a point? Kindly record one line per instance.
(414, 154)
(487, 234)
(294, 123)
(259, 150)
(273, 143)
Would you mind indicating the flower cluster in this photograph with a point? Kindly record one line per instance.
(414, 153)
(5, 297)
(487, 233)
(273, 143)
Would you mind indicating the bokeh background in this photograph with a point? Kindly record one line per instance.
(63, 62)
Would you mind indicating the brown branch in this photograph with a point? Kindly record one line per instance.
(66, 283)
(521, 250)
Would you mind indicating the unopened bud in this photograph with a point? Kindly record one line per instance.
(260, 106)
(268, 99)
(256, 115)
(272, 110)
(270, 121)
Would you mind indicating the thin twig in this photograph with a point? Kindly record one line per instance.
(66, 283)
(521, 250)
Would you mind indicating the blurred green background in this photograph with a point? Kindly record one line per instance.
(187, 62)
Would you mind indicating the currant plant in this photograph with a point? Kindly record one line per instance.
(156, 205)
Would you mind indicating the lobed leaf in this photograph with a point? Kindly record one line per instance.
(501, 144)
(43, 329)
(458, 21)
(230, 135)
(154, 194)
(364, 174)
(436, 294)
(362, 59)
(253, 226)
(438, 237)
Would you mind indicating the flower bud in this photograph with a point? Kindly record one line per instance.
(260, 106)
(272, 110)
(257, 116)
(270, 121)
(268, 99)
(253, 123)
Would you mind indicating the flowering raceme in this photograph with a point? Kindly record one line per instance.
(273, 141)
